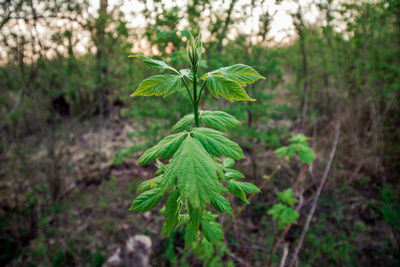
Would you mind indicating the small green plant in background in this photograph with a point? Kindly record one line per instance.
(198, 172)
(282, 212)
(299, 146)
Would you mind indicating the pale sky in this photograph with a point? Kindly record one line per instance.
(246, 21)
(281, 25)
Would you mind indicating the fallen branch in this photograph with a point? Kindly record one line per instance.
(317, 194)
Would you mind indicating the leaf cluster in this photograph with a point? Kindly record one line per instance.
(299, 146)
(199, 160)
(283, 212)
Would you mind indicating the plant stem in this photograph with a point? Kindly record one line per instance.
(187, 89)
(195, 100)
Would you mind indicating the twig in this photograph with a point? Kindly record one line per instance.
(285, 253)
(317, 194)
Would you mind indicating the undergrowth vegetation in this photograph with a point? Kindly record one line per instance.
(319, 147)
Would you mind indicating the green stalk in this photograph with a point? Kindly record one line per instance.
(195, 101)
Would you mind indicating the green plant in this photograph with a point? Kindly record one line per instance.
(283, 212)
(199, 171)
(299, 145)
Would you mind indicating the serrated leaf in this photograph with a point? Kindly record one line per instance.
(248, 187)
(165, 148)
(228, 163)
(212, 231)
(218, 120)
(283, 214)
(219, 85)
(276, 211)
(160, 166)
(305, 153)
(233, 174)
(240, 73)
(299, 139)
(287, 197)
(195, 217)
(148, 184)
(172, 210)
(190, 235)
(195, 172)
(159, 85)
(221, 204)
(237, 190)
(289, 215)
(216, 143)
(157, 64)
(184, 123)
(147, 200)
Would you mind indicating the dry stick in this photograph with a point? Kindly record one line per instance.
(317, 194)
(285, 253)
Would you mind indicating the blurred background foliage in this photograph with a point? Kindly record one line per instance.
(70, 133)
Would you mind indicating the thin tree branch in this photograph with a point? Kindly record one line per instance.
(317, 194)
(285, 254)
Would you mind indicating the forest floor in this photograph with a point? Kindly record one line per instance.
(90, 222)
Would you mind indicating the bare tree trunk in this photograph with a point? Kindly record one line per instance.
(100, 57)
(299, 25)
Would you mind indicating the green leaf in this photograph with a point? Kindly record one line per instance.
(286, 197)
(212, 231)
(196, 173)
(218, 120)
(289, 215)
(147, 200)
(299, 139)
(276, 211)
(228, 163)
(190, 235)
(195, 216)
(157, 64)
(216, 143)
(184, 123)
(221, 204)
(172, 210)
(283, 214)
(239, 189)
(239, 73)
(230, 90)
(306, 154)
(165, 148)
(148, 184)
(248, 187)
(160, 166)
(159, 85)
(233, 174)
(282, 151)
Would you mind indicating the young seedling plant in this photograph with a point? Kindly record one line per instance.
(199, 171)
